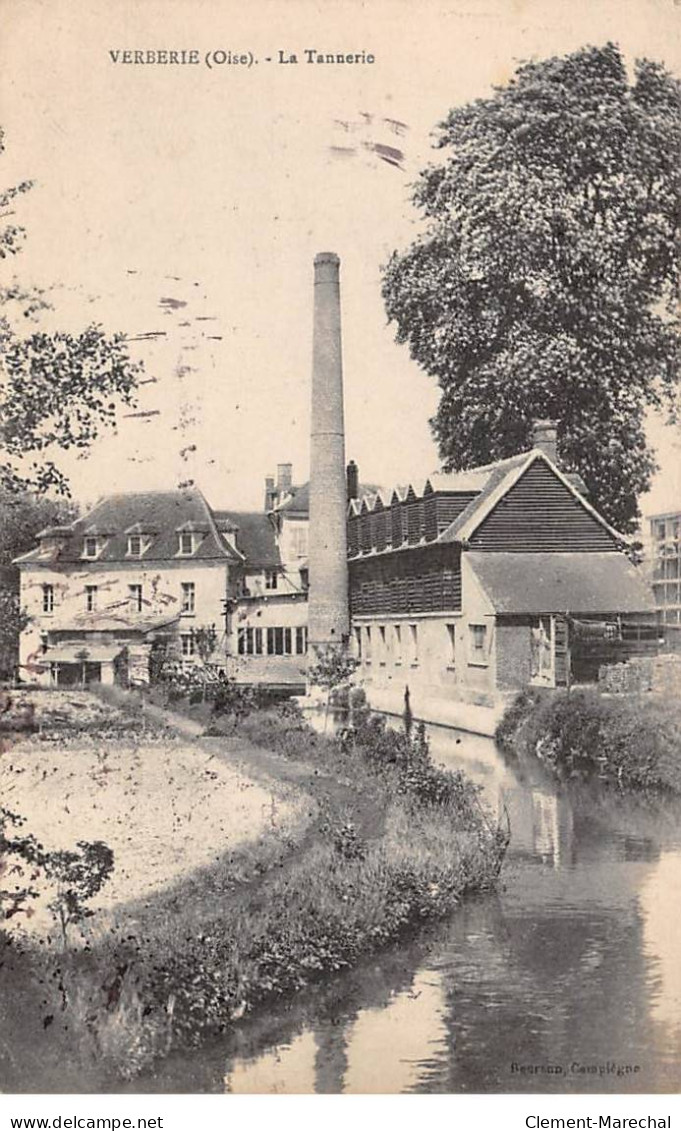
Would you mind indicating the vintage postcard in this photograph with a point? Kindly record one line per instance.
(340, 578)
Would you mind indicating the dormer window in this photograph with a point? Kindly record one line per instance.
(134, 545)
(90, 546)
(186, 542)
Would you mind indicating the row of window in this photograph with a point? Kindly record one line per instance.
(135, 598)
(400, 643)
(272, 641)
(93, 544)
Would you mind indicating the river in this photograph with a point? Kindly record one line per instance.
(567, 979)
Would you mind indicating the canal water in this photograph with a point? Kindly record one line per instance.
(567, 979)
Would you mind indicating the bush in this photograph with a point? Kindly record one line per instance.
(630, 742)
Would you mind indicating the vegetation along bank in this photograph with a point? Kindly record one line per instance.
(392, 842)
(630, 741)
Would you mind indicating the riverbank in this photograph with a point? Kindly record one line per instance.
(631, 741)
(393, 842)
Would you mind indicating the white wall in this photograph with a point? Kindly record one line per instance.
(161, 598)
(437, 670)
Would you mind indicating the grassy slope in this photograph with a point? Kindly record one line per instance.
(391, 846)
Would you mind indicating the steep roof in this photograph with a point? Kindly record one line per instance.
(255, 536)
(487, 481)
(158, 515)
(297, 501)
(562, 582)
(500, 477)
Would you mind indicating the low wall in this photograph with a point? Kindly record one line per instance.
(661, 674)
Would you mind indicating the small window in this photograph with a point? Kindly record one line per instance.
(299, 542)
(414, 642)
(135, 598)
(48, 598)
(135, 545)
(270, 579)
(186, 542)
(451, 633)
(383, 645)
(397, 632)
(90, 598)
(90, 547)
(188, 597)
(358, 644)
(367, 642)
(301, 640)
(478, 643)
(187, 641)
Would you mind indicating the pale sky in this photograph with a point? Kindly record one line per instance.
(192, 200)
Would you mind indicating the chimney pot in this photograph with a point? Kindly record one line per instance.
(284, 476)
(544, 437)
(352, 477)
(270, 492)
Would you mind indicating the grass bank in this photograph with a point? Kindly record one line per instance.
(395, 842)
(634, 742)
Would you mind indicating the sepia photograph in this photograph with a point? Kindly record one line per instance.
(340, 549)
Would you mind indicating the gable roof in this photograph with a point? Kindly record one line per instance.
(561, 582)
(255, 536)
(160, 515)
(500, 478)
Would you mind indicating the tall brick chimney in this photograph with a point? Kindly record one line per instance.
(328, 614)
(544, 437)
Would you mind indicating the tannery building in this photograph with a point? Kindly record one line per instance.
(482, 582)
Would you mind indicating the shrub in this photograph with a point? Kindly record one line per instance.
(633, 743)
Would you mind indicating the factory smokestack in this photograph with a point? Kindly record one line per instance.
(328, 616)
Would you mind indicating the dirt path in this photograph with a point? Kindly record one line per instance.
(235, 879)
(248, 757)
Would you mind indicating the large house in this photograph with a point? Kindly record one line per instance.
(479, 583)
(156, 568)
(138, 569)
(163, 568)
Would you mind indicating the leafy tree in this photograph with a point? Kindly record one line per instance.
(58, 390)
(545, 280)
(24, 862)
(79, 875)
(23, 516)
(19, 855)
(331, 669)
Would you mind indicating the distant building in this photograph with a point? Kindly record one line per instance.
(665, 535)
(482, 582)
(156, 568)
(269, 633)
(139, 569)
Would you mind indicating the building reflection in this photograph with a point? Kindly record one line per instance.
(660, 900)
(382, 1050)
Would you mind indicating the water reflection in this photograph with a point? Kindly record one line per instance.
(383, 1050)
(566, 979)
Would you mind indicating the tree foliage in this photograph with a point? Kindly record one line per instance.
(23, 516)
(76, 875)
(59, 390)
(545, 281)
